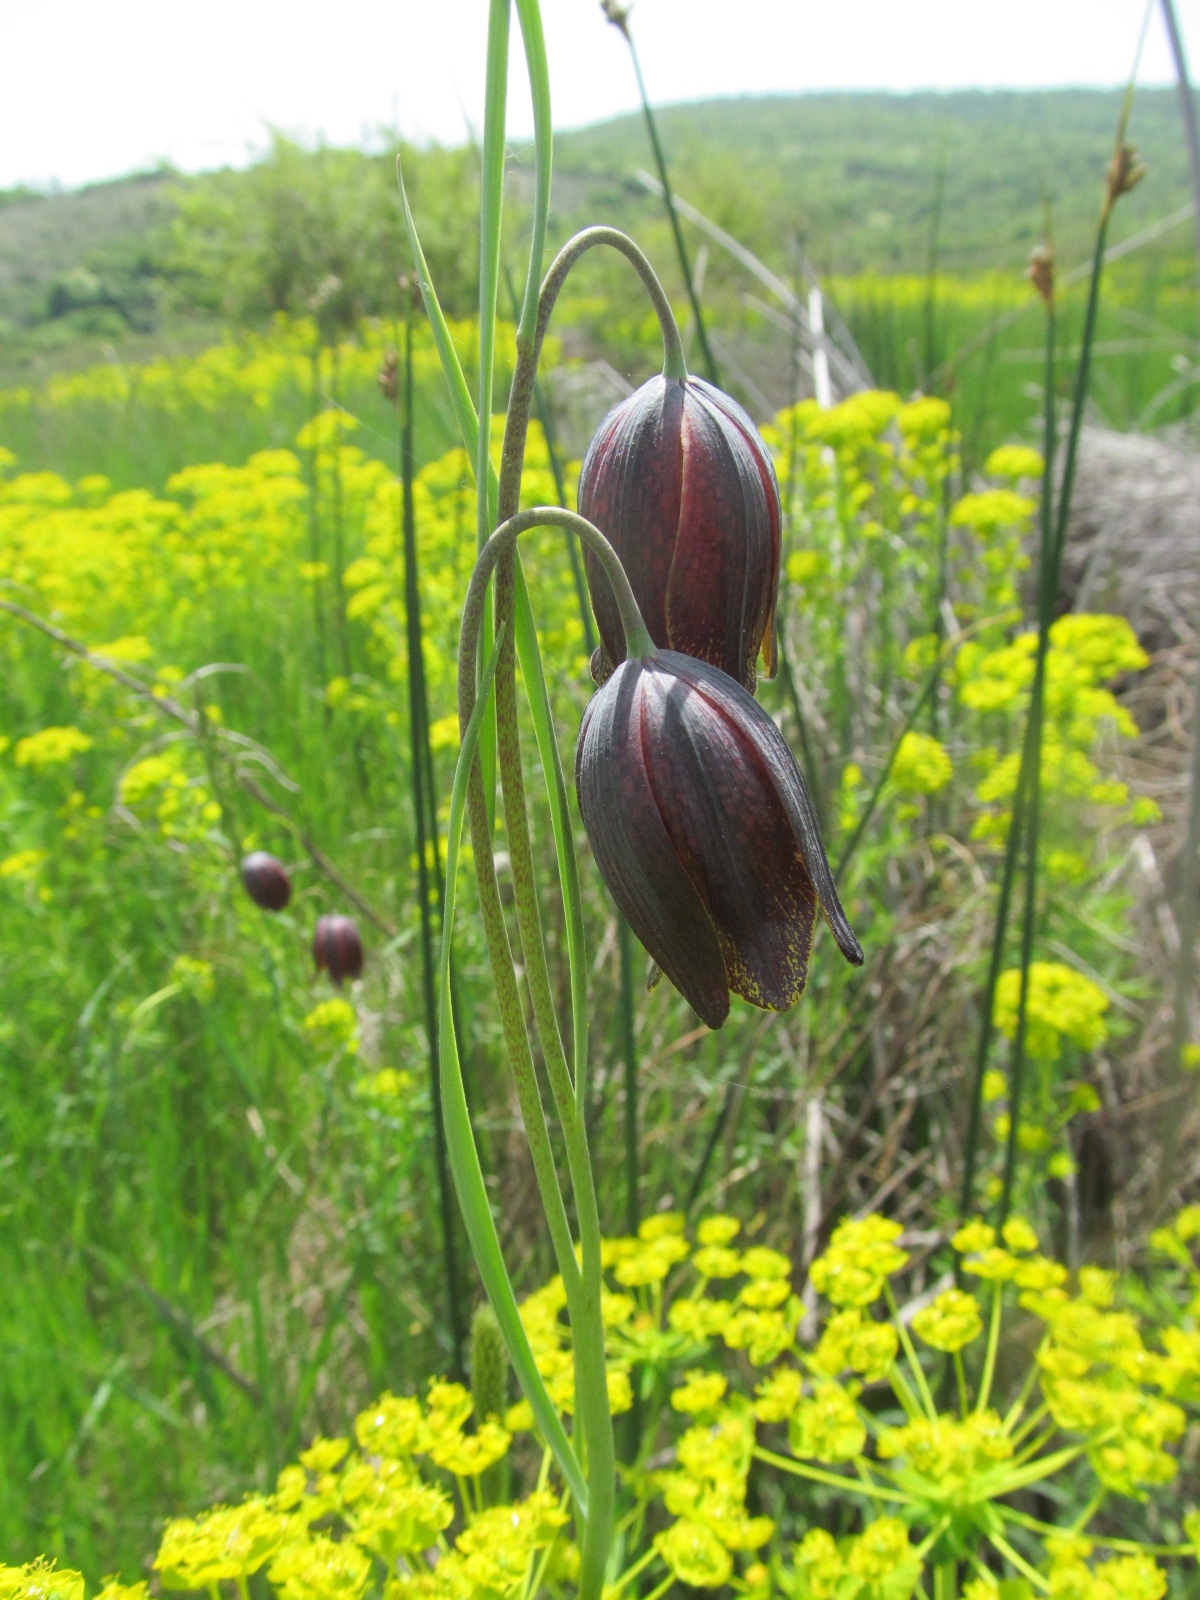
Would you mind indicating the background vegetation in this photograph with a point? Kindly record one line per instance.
(217, 1175)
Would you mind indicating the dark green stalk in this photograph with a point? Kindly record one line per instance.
(1047, 588)
(1031, 752)
(927, 692)
(660, 161)
(633, 1208)
(812, 771)
(422, 792)
(542, 408)
(931, 272)
(339, 553)
(314, 514)
(1187, 907)
(986, 1023)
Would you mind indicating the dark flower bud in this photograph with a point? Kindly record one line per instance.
(703, 830)
(680, 481)
(337, 947)
(266, 881)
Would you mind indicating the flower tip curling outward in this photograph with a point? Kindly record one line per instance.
(337, 947)
(703, 830)
(266, 881)
(680, 482)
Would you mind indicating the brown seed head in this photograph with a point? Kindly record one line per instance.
(1040, 271)
(617, 14)
(389, 376)
(1124, 173)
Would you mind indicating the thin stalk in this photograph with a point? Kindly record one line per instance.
(460, 1137)
(833, 1480)
(583, 1285)
(660, 161)
(633, 1210)
(422, 793)
(993, 1346)
(1047, 587)
(1187, 909)
(339, 531)
(314, 515)
(910, 1353)
(542, 410)
(928, 689)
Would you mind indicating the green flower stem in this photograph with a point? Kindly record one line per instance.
(583, 1286)
(993, 1345)
(1016, 1560)
(660, 161)
(834, 1480)
(460, 1137)
(1047, 586)
(910, 1353)
(909, 1403)
(674, 364)
(960, 1377)
(1022, 1400)
(660, 1589)
(638, 1567)
(490, 210)
(418, 714)
(928, 689)
(1031, 1422)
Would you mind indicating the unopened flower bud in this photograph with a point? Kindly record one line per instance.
(680, 481)
(337, 947)
(266, 881)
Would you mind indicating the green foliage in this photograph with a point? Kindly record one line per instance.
(220, 1169)
(748, 1395)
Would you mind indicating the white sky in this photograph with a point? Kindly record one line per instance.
(89, 90)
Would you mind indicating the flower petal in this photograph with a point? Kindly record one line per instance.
(633, 849)
(728, 825)
(629, 486)
(785, 780)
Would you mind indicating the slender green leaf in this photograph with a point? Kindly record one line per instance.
(460, 1136)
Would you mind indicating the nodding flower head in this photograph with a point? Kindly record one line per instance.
(266, 881)
(704, 833)
(680, 481)
(337, 947)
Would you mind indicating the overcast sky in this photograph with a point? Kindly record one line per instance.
(90, 90)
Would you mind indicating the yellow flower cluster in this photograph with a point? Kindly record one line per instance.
(1060, 1005)
(402, 1512)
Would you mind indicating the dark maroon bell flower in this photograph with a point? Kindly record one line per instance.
(701, 825)
(680, 481)
(338, 948)
(266, 881)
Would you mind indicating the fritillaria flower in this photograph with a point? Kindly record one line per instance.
(680, 481)
(703, 830)
(337, 947)
(266, 881)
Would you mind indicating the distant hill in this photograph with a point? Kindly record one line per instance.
(856, 176)
(867, 183)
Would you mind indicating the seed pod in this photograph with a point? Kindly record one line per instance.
(703, 830)
(266, 881)
(680, 481)
(337, 947)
